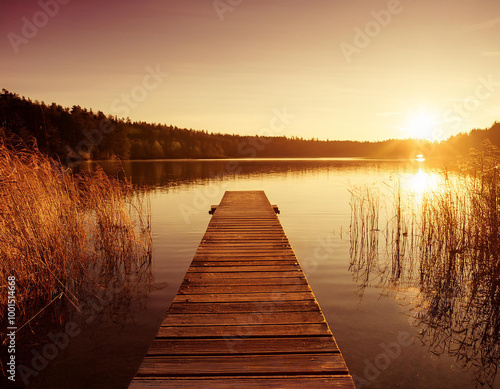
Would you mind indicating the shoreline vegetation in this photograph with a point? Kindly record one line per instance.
(438, 252)
(76, 134)
(66, 237)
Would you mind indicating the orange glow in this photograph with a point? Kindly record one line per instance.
(347, 70)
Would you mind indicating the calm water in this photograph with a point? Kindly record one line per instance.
(313, 198)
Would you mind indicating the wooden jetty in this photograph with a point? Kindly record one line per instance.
(244, 316)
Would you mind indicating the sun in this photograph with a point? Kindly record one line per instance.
(420, 125)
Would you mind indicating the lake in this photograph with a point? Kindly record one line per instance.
(368, 321)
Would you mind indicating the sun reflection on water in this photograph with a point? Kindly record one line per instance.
(421, 182)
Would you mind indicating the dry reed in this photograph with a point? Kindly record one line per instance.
(65, 235)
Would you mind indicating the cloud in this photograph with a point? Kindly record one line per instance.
(491, 53)
(484, 25)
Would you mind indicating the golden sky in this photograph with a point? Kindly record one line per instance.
(344, 69)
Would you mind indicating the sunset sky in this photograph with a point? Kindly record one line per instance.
(362, 70)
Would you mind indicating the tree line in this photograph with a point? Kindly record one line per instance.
(75, 134)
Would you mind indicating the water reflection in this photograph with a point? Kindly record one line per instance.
(96, 325)
(314, 201)
(177, 173)
(437, 250)
(421, 182)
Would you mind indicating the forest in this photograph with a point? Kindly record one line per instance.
(76, 134)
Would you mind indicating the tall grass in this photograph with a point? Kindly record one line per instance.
(447, 247)
(364, 229)
(64, 235)
(382, 235)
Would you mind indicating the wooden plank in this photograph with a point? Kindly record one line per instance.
(239, 331)
(249, 253)
(239, 269)
(242, 237)
(256, 244)
(242, 254)
(229, 297)
(246, 275)
(245, 346)
(181, 365)
(253, 307)
(256, 240)
(256, 382)
(210, 280)
(230, 319)
(225, 289)
(260, 242)
(261, 258)
(240, 257)
(244, 316)
(244, 263)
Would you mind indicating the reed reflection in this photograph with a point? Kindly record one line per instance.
(434, 243)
